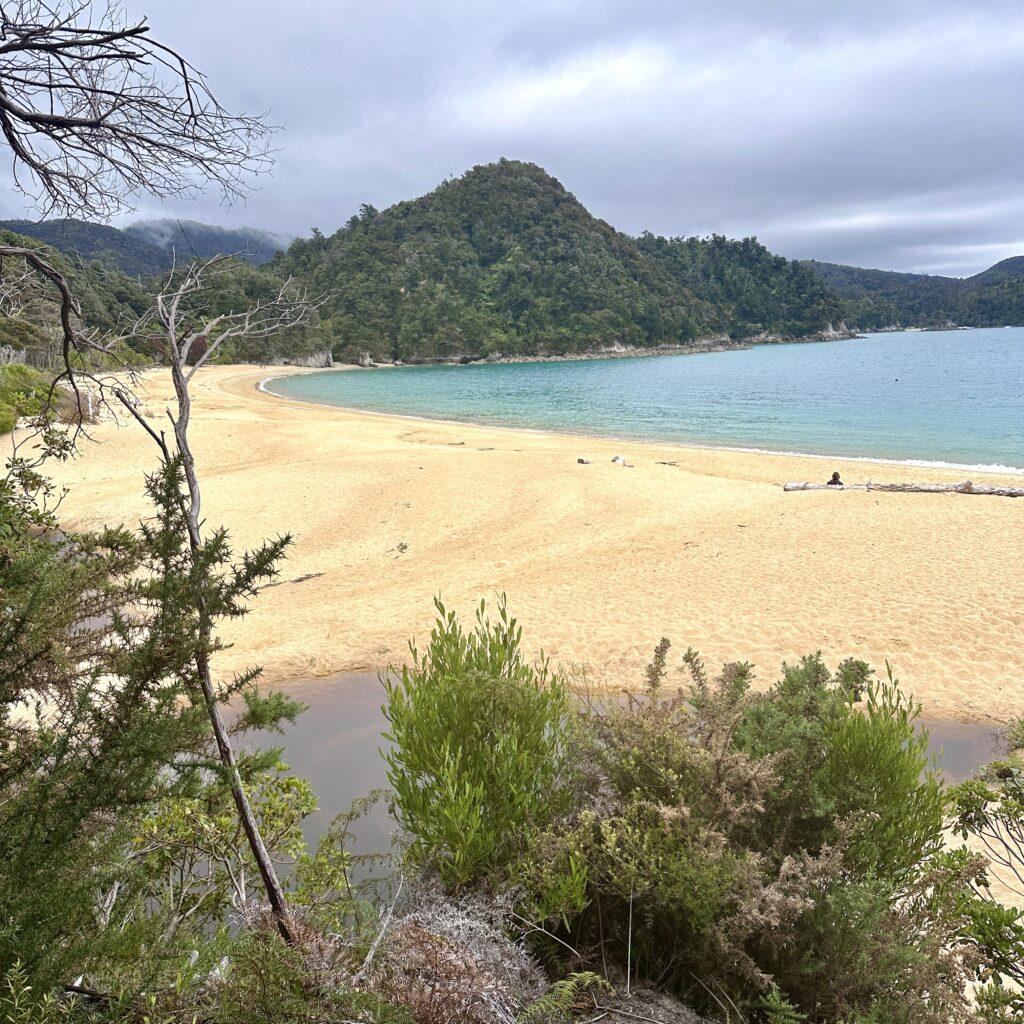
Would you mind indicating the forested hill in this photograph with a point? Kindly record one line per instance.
(883, 298)
(505, 259)
(147, 248)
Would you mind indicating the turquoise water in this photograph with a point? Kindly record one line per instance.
(930, 396)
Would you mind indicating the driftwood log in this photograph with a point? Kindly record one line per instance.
(966, 487)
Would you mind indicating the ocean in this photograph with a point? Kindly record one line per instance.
(932, 397)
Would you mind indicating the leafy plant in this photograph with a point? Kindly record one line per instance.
(479, 746)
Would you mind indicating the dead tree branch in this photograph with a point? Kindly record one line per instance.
(96, 111)
(176, 326)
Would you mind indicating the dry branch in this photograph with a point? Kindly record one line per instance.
(96, 111)
(966, 487)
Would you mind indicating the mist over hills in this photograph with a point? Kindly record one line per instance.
(147, 248)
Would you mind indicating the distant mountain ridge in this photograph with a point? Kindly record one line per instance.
(875, 299)
(147, 248)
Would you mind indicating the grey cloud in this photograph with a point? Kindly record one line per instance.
(831, 130)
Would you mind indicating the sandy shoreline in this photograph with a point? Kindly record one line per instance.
(598, 560)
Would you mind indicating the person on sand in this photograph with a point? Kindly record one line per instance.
(835, 481)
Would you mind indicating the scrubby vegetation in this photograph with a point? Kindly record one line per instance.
(22, 393)
(758, 851)
(761, 855)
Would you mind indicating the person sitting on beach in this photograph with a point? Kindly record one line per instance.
(835, 481)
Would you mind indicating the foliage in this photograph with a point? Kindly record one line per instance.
(107, 296)
(862, 775)
(990, 810)
(884, 299)
(479, 746)
(563, 997)
(726, 842)
(109, 757)
(777, 1009)
(23, 392)
(504, 259)
(752, 291)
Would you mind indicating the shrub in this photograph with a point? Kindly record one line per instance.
(725, 842)
(851, 765)
(479, 746)
(990, 810)
(22, 391)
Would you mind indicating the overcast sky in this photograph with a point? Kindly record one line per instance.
(881, 133)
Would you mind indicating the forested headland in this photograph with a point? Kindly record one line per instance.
(504, 260)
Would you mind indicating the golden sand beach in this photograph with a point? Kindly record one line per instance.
(598, 560)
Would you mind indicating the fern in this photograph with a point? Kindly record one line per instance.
(557, 1003)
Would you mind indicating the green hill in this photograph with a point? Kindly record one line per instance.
(1011, 269)
(505, 259)
(94, 242)
(884, 298)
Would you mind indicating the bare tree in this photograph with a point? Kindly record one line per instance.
(96, 111)
(187, 338)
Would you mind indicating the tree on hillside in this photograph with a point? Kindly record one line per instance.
(96, 111)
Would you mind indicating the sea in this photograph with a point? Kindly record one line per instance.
(944, 398)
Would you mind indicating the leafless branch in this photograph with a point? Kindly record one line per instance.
(96, 111)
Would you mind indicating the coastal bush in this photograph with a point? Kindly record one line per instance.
(851, 765)
(724, 842)
(989, 811)
(479, 746)
(22, 391)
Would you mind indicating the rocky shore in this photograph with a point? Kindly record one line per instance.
(713, 343)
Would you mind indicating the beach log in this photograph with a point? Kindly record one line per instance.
(965, 487)
(797, 486)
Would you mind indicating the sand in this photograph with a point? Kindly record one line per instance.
(598, 561)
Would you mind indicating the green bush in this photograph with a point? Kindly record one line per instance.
(22, 391)
(851, 766)
(479, 744)
(725, 842)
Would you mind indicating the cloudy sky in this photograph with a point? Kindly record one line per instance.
(882, 133)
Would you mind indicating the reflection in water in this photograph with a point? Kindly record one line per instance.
(336, 745)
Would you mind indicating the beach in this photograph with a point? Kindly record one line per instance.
(598, 560)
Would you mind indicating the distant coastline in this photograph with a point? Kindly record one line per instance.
(701, 346)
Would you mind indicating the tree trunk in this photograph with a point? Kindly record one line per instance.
(275, 894)
(966, 487)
